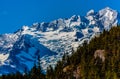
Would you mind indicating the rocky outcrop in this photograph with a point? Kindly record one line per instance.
(100, 54)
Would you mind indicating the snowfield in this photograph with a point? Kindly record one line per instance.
(19, 50)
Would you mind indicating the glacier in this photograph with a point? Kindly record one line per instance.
(53, 39)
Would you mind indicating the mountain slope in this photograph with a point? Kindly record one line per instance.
(19, 50)
(100, 59)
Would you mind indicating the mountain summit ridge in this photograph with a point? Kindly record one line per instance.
(53, 39)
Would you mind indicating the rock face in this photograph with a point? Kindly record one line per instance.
(18, 50)
(100, 54)
(77, 73)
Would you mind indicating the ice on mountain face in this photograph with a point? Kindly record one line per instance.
(25, 28)
(3, 57)
(91, 12)
(96, 29)
(75, 21)
(108, 17)
(67, 22)
(52, 39)
(59, 25)
(6, 42)
(85, 31)
(105, 18)
(92, 22)
(90, 18)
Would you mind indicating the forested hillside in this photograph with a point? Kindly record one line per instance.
(98, 59)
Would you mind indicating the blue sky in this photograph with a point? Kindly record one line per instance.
(16, 13)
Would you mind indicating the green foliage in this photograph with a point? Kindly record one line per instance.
(83, 64)
(91, 67)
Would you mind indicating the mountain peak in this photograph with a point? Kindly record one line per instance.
(75, 17)
(109, 17)
(108, 8)
(91, 12)
(53, 39)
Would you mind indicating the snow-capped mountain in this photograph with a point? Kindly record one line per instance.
(18, 50)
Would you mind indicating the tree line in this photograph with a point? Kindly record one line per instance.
(98, 59)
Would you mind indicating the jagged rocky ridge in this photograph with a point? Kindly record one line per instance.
(18, 50)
